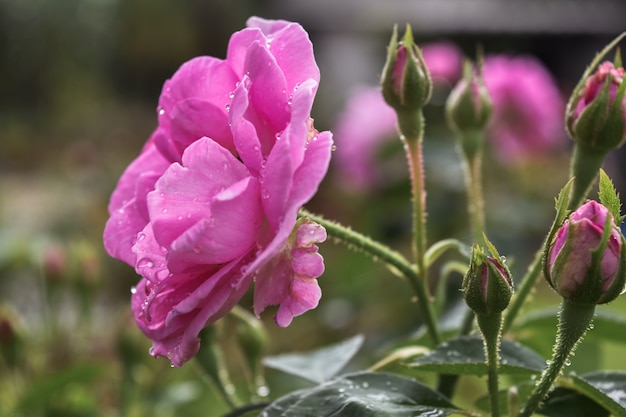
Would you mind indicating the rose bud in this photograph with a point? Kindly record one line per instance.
(487, 286)
(585, 261)
(469, 104)
(596, 115)
(406, 81)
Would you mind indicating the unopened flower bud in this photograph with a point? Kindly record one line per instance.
(469, 104)
(596, 114)
(487, 285)
(585, 261)
(406, 82)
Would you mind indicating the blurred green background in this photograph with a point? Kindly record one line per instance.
(80, 80)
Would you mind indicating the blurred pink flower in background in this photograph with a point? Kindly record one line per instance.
(528, 107)
(367, 122)
(364, 125)
(211, 203)
(444, 61)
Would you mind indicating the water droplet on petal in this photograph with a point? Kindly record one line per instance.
(133, 290)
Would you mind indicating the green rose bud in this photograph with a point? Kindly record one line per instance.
(487, 286)
(469, 104)
(406, 82)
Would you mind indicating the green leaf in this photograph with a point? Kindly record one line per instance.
(606, 388)
(561, 402)
(564, 402)
(439, 248)
(609, 197)
(466, 356)
(365, 394)
(606, 325)
(320, 365)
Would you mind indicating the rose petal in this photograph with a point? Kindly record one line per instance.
(182, 196)
(231, 230)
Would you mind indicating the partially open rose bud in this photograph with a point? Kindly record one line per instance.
(596, 116)
(585, 261)
(487, 285)
(406, 82)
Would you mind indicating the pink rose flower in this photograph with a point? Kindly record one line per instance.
(527, 118)
(569, 259)
(211, 203)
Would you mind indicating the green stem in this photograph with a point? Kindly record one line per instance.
(358, 242)
(471, 143)
(210, 359)
(574, 321)
(586, 163)
(413, 147)
(490, 326)
(379, 252)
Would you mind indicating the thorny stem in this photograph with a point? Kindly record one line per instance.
(361, 243)
(490, 327)
(574, 321)
(413, 148)
(379, 252)
(472, 157)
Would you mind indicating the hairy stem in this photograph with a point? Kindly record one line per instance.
(490, 326)
(574, 321)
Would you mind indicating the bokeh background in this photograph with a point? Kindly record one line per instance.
(80, 80)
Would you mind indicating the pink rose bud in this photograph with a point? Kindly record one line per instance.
(575, 268)
(487, 285)
(405, 81)
(596, 116)
(469, 104)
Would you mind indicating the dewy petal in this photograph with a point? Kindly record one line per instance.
(312, 170)
(183, 194)
(267, 26)
(304, 295)
(289, 280)
(206, 78)
(194, 102)
(244, 132)
(238, 48)
(149, 161)
(230, 232)
(299, 130)
(151, 261)
(173, 311)
(267, 92)
(127, 207)
(292, 49)
(194, 118)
